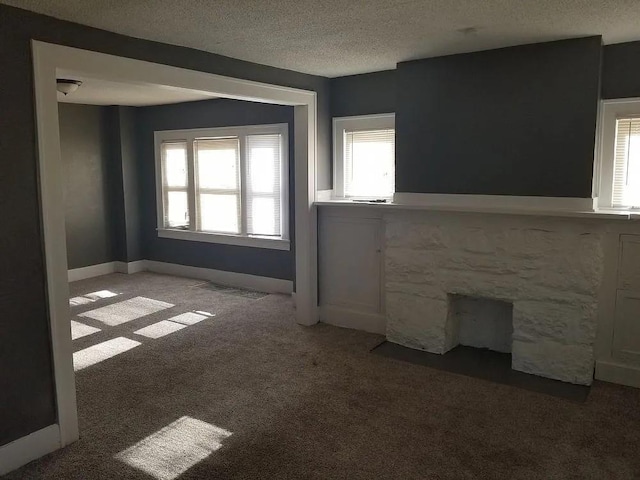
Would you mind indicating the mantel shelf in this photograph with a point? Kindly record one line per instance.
(596, 214)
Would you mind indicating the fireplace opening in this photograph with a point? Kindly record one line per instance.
(480, 322)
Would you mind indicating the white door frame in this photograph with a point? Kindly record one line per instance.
(48, 61)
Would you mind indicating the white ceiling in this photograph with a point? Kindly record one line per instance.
(341, 37)
(106, 92)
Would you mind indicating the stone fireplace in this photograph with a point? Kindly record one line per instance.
(524, 284)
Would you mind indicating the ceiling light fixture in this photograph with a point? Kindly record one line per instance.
(66, 86)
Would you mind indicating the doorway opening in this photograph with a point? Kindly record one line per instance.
(54, 61)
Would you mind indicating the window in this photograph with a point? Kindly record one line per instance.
(224, 185)
(364, 156)
(619, 166)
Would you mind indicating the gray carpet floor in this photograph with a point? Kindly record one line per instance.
(299, 402)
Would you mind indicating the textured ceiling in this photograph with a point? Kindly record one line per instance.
(342, 37)
(106, 92)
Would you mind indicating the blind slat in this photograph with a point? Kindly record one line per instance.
(626, 168)
(263, 186)
(174, 184)
(369, 163)
(218, 175)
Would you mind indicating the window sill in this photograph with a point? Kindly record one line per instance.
(253, 241)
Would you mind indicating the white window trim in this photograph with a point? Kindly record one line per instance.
(362, 122)
(188, 136)
(610, 111)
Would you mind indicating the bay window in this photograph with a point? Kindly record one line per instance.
(224, 185)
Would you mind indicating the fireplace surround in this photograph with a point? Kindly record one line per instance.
(545, 271)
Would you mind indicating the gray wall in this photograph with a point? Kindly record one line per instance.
(514, 121)
(128, 202)
(207, 114)
(364, 94)
(27, 398)
(86, 156)
(621, 70)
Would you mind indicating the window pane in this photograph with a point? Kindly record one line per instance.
(626, 174)
(217, 163)
(370, 163)
(177, 210)
(264, 217)
(174, 155)
(219, 213)
(263, 158)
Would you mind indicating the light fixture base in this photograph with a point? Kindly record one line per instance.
(67, 86)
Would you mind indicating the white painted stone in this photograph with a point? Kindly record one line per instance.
(550, 269)
(569, 363)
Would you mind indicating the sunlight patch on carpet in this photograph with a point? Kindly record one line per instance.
(79, 330)
(122, 312)
(160, 329)
(168, 453)
(102, 351)
(91, 297)
(190, 318)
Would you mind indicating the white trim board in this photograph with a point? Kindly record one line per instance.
(91, 271)
(28, 448)
(232, 279)
(342, 317)
(48, 60)
(241, 240)
(100, 269)
(565, 204)
(324, 195)
(611, 371)
(131, 267)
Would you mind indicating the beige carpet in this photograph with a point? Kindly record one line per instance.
(249, 394)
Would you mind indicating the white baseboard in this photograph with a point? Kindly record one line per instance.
(104, 269)
(233, 279)
(131, 267)
(368, 322)
(91, 271)
(26, 449)
(610, 371)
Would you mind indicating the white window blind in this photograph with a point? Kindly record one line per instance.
(264, 176)
(175, 185)
(218, 184)
(626, 169)
(369, 163)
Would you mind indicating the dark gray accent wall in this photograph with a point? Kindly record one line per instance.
(119, 227)
(621, 70)
(209, 114)
(364, 94)
(514, 121)
(127, 205)
(27, 401)
(86, 157)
